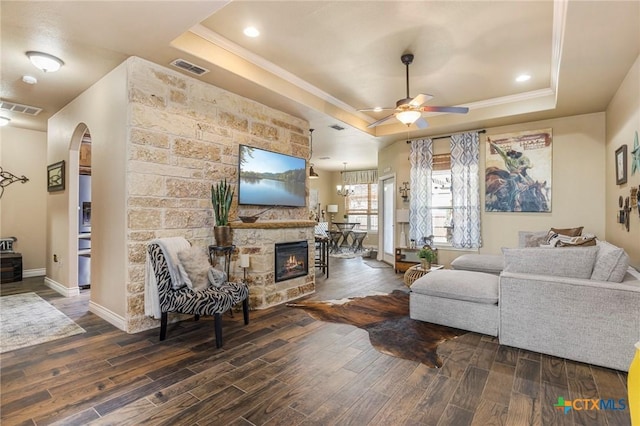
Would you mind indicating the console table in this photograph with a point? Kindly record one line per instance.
(10, 267)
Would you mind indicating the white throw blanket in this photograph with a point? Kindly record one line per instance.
(170, 248)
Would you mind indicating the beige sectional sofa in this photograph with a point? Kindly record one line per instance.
(576, 303)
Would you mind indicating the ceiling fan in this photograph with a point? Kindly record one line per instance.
(409, 110)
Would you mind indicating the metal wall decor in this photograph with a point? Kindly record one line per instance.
(635, 155)
(7, 178)
(404, 191)
(55, 177)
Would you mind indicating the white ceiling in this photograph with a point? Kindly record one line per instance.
(324, 60)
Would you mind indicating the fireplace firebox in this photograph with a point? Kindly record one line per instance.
(292, 260)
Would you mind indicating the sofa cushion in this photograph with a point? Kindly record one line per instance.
(566, 262)
(470, 286)
(489, 263)
(611, 263)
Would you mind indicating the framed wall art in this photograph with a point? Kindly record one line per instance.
(621, 165)
(55, 177)
(518, 172)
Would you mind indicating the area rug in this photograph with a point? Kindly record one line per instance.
(386, 319)
(375, 264)
(27, 319)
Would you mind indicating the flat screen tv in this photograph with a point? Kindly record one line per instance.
(268, 178)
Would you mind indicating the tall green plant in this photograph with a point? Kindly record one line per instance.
(221, 197)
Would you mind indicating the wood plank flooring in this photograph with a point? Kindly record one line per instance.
(286, 368)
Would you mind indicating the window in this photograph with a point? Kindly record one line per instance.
(441, 199)
(362, 206)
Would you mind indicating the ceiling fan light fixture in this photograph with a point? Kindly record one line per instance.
(408, 117)
(44, 61)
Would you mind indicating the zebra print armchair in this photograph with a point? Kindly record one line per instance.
(212, 301)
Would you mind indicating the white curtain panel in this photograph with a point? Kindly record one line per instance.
(421, 159)
(465, 154)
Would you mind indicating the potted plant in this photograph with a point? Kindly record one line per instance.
(221, 197)
(427, 257)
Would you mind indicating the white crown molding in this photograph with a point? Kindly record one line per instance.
(557, 39)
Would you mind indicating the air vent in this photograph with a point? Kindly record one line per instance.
(337, 127)
(24, 109)
(189, 67)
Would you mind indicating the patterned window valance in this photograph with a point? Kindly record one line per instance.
(360, 176)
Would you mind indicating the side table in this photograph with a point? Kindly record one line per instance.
(221, 251)
(418, 271)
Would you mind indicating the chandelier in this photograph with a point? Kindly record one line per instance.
(344, 189)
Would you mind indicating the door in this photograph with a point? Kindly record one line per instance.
(388, 229)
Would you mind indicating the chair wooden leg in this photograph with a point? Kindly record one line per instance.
(245, 310)
(218, 327)
(163, 326)
(197, 317)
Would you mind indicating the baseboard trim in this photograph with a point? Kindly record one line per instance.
(28, 273)
(107, 315)
(65, 291)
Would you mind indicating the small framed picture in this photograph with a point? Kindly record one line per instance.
(55, 177)
(621, 165)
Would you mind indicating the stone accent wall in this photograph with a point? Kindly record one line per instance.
(183, 137)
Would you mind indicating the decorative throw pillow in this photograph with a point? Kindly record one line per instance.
(611, 263)
(531, 239)
(583, 241)
(217, 277)
(196, 264)
(571, 232)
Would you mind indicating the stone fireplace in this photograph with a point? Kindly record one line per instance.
(259, 241)
(291, 260)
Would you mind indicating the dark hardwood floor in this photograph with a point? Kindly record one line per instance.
(286, 368)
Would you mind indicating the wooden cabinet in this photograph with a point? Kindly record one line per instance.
(10, 267)
(408, 257)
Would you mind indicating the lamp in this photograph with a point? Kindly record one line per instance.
(344, 189)
(404, 192)
(244, 264)
(402, 216)
(408, 117)
(4, 121)
(312, 173)
(44, 61)
(333, 209)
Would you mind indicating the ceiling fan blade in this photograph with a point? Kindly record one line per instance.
(382, 120)
(420, 99)
(455, 110)
(376, 109)
(421, 123)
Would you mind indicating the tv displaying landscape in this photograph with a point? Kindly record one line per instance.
(268, 178)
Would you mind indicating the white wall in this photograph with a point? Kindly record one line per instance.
(623, 120)
(23, 212)
(578, 185)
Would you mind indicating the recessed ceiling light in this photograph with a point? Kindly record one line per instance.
(251, 32)
(44, 61)
(4, 121)
(29, 79)
(523, 77)
(377, 109)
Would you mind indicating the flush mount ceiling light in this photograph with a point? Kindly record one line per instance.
(251, 32)
(408, 117)
(4, 121)
(44, 61)
(523, 77)
(29, 79)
